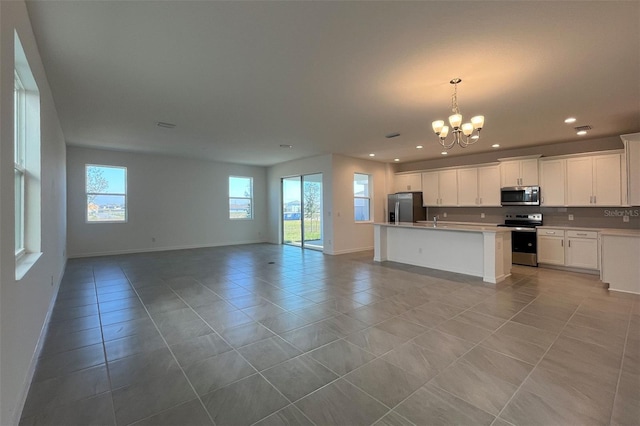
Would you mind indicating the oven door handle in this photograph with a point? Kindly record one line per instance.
(523, 229)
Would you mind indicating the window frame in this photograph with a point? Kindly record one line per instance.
(361, 197)
(88, 194)
(19, 165)
(250, 197)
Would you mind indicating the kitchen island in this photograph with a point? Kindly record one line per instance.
(481, 251)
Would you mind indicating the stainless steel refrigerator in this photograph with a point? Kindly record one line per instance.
(405, 207)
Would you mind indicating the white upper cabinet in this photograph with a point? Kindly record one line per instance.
(594, 180)
(409, 182)
(553, 182)
(479, 186)
(632, 150)
(489, 186)
(440, 188)
(522, 172)
(468, 187)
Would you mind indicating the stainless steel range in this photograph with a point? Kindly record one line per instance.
(523, 237)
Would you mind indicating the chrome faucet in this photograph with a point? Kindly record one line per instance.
(435, 221)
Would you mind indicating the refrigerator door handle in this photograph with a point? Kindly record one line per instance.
(397, 211)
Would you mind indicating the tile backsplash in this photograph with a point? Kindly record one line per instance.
(590, 217)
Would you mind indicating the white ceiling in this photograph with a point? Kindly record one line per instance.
(240, 78)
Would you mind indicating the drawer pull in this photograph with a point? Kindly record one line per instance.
(550, 232)
(581, 234)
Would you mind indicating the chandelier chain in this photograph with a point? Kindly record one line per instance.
(462, 133)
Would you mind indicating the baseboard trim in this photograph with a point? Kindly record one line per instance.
(167, 248)
(569, 269)
(353, 250)
(26, 385)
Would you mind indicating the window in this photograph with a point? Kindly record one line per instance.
(362, 197)
(19, 167)
(106, 189)
(240, 197)
(26, 162)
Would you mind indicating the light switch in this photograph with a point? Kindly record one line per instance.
(570, 217)
(625, 218)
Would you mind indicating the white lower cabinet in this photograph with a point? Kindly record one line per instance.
(551, 247)
(582, 249)
(568, 247)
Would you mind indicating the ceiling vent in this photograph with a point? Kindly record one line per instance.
(392, 135)
(165, 125)
(582, 128)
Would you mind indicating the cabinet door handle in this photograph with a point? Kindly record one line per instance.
(569, 243)
(595, 200)
(561, 243)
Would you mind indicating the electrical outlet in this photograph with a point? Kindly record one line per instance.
(444, 214)
(482, 215)
(625, 218)
(570, 217)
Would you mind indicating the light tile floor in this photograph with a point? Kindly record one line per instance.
(276, 335)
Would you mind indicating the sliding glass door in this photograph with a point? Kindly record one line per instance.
(302, 211)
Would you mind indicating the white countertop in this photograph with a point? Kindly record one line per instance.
(446, 222)
(602, 231)
(447, 226)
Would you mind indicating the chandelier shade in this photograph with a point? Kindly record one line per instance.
(462, 133)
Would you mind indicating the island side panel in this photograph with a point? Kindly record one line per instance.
(619, 262)
(496, 268)
(447, 250)
(379, 243)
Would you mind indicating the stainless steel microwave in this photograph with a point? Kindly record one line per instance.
(520, 196)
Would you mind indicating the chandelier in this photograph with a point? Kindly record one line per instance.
(462, 133)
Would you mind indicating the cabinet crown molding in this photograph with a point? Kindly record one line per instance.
(631, 137)
(466, 166)
(583, 154)
(524, 157)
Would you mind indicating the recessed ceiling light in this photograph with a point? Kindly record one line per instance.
(284, 145)
(444, 153)
(372, 155)
(396, 159)
(581, 132)
(570, 120)
(419, 146)
(165, 125)
(495, 145)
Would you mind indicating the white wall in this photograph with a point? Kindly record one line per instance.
(182, 203)
(25, 304)
(341, 233)
(350, 236)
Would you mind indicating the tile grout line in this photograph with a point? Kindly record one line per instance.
(541, 358)
(624, 351)
(232, 349)
(172, 354)
(461, 356)
(104, 346)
